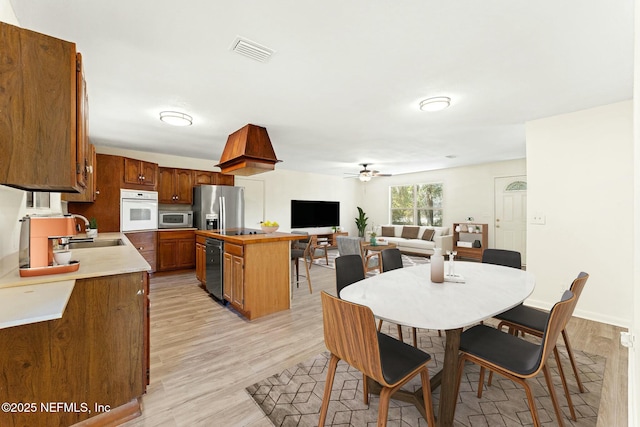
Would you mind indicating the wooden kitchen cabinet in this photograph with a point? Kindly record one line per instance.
(94, 354)
(176, 249)
(233, 275)
(44, 111)
(140, 175)
(175, 186)
(212, 178)
(90, 193)
(201, 259)
(145, 242)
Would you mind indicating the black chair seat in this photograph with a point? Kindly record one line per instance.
(297, 253)
(528, 317)
(399, 359)
(507, 351)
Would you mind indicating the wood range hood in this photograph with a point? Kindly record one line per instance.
(248, 152)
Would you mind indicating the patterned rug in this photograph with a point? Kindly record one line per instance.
(407, 260)
(293, 397)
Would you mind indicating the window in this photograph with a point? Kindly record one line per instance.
(418, 204)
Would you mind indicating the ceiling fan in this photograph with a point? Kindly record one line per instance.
(365, 174)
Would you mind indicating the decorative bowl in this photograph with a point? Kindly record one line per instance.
(269, 229)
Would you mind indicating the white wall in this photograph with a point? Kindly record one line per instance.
(580, 169)
(467, 192)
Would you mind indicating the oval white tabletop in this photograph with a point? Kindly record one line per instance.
(408, 297)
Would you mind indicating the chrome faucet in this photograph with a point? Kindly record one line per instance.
(86, 221)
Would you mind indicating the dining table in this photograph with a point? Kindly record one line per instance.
(472, 293)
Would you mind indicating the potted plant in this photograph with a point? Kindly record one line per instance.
(372, 238)
(361, 222)
(92, 231)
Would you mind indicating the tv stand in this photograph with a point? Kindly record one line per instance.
(330, 238)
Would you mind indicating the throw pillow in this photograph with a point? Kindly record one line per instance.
(409, 232)
(388, 231)
(428, 234)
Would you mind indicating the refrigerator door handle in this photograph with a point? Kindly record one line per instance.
(223, 213)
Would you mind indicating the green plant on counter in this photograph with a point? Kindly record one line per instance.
(361, 222)
(93, 223)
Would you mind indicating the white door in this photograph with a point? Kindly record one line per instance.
(510, 228)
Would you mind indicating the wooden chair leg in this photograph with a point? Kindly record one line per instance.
(565, 337)
(564, 383)
(414, 331)
(333, 363)
(481, 381)
(531, 401)
(400, 333)
(383, 408)
(306, 265)
(379, 325)
(365, 389)
(439, 333)
(552, 393)
(426, 395)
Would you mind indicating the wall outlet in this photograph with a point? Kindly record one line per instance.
(469, 218)
(538, 218)
(627, 339)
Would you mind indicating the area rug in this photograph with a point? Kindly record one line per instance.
(293, 397)
(407, 260)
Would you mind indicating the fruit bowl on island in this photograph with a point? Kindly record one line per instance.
(269, 226)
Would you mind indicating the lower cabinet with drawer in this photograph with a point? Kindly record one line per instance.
(176, 249)
(145, 243)
(233, 275)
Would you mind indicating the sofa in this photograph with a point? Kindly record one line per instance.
(413, 239)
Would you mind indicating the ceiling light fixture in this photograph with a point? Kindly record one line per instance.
(435, 104)
(175, 118)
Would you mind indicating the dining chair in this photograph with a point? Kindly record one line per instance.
(317, 250)
(392, 260)
(502, 257)
(353, 246)
(532, 320)
(516, 358)
(350, 335)
(299, 249)
(348, 270)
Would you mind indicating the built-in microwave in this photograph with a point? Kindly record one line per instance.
(175, 219)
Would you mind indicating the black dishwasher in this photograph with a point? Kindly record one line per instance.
(215, 255)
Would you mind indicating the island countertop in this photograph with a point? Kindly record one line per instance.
(248, 239)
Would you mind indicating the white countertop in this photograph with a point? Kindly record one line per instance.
(26, 300)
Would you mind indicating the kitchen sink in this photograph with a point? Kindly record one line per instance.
(102, 243)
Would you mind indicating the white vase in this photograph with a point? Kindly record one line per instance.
(437, 266)
(92, 232)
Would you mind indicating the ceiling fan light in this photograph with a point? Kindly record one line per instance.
(175, 118)
(365, 177)
(435, 104)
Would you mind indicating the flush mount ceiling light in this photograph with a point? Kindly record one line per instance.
(175, 118)
(435, 104)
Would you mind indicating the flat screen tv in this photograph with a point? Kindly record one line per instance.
(314, 213)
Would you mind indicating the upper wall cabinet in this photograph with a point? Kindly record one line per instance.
(175, 186)
(212, 178)
(43, 112)
(140, 175)
(90, 193)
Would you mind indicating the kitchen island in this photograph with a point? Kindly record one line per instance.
(77, 344)
(256, 270)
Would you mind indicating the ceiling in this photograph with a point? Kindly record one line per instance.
(345, 80)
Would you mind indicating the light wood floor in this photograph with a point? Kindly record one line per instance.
(203, 355)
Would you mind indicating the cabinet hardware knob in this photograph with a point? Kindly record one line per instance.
(140, 292)
(97, 191)
(141, 248)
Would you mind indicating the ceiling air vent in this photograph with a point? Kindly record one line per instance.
(251, 50)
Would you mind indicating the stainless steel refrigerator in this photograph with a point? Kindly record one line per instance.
(218, 207)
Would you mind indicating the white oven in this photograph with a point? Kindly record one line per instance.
(138, 210)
